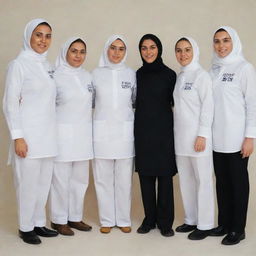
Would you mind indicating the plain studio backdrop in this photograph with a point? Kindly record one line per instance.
(96, 20)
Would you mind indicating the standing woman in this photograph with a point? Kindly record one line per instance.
(29, 107)
(74, 123)
(193, 116)
(113, 135)
(154, 142)
(234, 129)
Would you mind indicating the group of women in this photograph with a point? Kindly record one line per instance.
(176, 126)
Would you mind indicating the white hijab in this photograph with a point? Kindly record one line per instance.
(27, 50)
(104, 61)
(194, 64)
(235, 55)
(61, 61)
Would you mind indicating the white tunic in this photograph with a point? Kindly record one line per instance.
(74, 114)
(193, 111)
(113, 116)
(29, 104)
(234, 90)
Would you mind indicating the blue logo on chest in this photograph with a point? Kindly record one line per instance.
(126, 85)
(187, 86)
(227, 77)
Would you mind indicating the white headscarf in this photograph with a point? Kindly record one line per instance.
(61, 61)
(235, 55)
(27, 50)
(194, 64)
(104, 61)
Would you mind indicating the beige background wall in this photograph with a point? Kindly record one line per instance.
(95, 20)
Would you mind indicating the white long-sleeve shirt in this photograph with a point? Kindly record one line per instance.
(74, 115)
(29, 105)
(193, 112)
(234, 90)
(113, 115)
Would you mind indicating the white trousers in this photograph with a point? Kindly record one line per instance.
(113, 183)
(69, 184)
(196, 185)
(32, 178)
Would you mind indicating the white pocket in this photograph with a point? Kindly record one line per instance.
(99, 130)
(128, 131)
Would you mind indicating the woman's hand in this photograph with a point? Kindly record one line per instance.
(200, 144)
(21, 147)
(247, 147)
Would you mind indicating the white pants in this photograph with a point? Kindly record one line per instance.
(196, 185)
(32, 178)
(113, 183)
(69, 184)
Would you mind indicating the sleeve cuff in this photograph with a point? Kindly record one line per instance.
(16, 134)
(250, 132)
(204, 132)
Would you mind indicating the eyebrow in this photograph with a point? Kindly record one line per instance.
(222, 38)
(117, 46)
(149, 45)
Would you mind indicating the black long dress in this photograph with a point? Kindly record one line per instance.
(154, 140)
(153, 127)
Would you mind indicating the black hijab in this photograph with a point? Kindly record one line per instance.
(158, 63)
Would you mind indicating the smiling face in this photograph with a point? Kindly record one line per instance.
(76, 54)
(184, 52)
(41, 38)
(222, 44)
(149, 50)
(116, 51)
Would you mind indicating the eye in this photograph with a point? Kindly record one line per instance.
(143, 48)
(83, 52)
(122, 49)
(227, 40)
(153, 47)
(178, 50)
(48, 36)
(112, 47)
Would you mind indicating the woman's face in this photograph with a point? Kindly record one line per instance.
(149, 50)
(184, 52)
(222, 44)
(116, 51)
(41, 39)
(76, 54)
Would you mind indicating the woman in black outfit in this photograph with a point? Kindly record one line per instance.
(154, 142)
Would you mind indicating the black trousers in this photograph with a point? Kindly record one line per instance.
(232, 186)
(158, 206)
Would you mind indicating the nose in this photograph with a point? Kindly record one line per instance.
(43, 39)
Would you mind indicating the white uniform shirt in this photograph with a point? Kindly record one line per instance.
(193, 112)
(74, 109)
(29, 105)
(74, 115)
(113, 115)
(234, 90)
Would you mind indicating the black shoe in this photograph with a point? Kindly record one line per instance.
(185, 228)
(233, 238)
(167, 232)
(29, 237)
(218, 231)
(45, 232)
(143, 229)
(198, 234)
